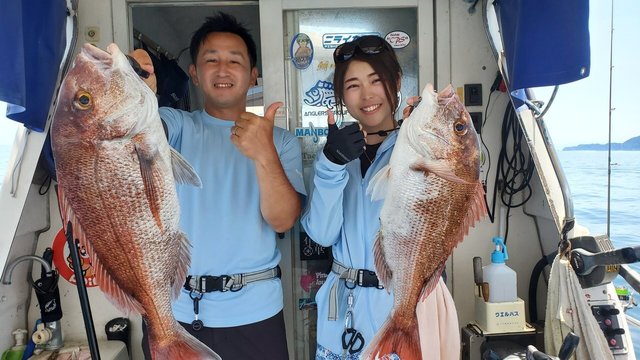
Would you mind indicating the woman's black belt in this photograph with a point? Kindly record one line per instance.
(351, 277)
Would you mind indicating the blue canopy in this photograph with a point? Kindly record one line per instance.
(32, 44)
(546, 42)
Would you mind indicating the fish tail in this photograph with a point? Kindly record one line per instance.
(393, 337)
(182, 346)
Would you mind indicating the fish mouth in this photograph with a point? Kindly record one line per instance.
(446, 95)
(94, 53)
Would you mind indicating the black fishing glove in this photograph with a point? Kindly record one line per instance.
(344, 145)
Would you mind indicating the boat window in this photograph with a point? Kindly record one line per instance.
(7, 135)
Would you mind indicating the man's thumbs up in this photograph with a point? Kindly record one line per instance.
(253, 134)
(270, 113)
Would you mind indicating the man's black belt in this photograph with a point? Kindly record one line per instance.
(235, 282)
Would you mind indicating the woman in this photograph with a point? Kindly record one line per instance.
(352, 306)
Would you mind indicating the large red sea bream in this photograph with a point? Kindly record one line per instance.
(432, 196)
(116, 178)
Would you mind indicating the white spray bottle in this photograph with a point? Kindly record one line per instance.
(502, 279)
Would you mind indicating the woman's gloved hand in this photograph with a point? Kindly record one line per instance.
(345, 144)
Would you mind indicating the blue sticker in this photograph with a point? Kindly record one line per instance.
(332, 40)
(321, 94)
(312, 132)
(301, 50)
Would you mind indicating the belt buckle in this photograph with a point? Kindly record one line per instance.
(214, 283)
(368, 278)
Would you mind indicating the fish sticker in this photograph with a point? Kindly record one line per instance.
(321, 95)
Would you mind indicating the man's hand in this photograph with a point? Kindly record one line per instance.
(343, 145)
(143, 58)
(253, 134)
(280, 204)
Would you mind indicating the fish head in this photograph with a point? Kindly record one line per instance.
(446, 133)
(102, 98)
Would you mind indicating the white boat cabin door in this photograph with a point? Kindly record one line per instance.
(295, 39)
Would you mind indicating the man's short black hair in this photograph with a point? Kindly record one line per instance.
(222, 22)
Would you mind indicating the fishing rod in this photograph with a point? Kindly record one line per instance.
(610, 115)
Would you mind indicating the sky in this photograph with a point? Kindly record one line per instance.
(580, 112)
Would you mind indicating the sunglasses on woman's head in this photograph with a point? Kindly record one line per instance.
(368, 45)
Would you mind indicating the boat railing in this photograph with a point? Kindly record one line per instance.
(631, 276)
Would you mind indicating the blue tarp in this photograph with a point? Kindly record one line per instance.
(546, 42)
(32, 43)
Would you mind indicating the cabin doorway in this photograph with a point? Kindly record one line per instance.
(295, 40)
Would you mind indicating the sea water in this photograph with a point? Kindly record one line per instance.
(586, 172)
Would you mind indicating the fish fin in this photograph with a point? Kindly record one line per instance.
(111, 289)
(150, 176)
(475, 212)
(184, 260)
(438, 168)
(379, 183)
(478, 208)
(382, 269)
(183, 172)
(118, 297)
(181, 346)
(433, 281)
(65, 210)
(394, 338)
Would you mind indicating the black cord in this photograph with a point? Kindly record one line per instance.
(514, 167)
(533, 288)
(486, 174)
(44, 187)
(386, 132)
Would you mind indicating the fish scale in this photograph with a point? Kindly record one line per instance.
(432, 195)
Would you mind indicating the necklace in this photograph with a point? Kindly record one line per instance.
(370, 151)
(368, 158)
(370, 155)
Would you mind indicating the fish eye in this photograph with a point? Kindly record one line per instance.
(460, 127)
(83, 100)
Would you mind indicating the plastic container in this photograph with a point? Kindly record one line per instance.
(16, 352)
(502, 280)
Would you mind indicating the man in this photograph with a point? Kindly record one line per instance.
(252, 188)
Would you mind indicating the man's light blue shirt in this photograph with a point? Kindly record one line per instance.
(223, 219)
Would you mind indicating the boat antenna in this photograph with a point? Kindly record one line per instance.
(611, 109)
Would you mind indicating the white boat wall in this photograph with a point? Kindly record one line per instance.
(452, 41)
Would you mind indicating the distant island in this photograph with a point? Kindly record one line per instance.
(632, 144)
